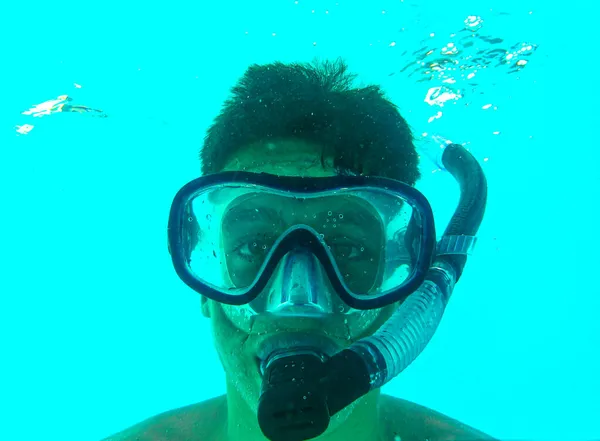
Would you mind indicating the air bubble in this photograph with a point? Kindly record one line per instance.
(473, 23)
(329, 213)
(341, 216)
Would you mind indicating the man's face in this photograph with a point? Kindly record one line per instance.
(238, 348)
(351, 227)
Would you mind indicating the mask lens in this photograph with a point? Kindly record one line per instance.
(229, 231)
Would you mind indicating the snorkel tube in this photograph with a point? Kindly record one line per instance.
(301, 390)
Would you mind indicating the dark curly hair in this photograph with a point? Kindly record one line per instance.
(358, 127)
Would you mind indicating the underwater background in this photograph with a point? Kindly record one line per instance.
(104, 109)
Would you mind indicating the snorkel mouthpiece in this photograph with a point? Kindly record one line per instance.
(292, 405)
(302, 390)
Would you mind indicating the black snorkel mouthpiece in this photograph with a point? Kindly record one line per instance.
(300, 392)
(301, 389)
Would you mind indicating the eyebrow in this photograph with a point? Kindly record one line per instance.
(359, 219)
(242, 214)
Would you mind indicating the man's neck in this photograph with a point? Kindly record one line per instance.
(361, 423)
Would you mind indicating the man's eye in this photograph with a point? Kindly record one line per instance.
(251, 250)
(348, 251)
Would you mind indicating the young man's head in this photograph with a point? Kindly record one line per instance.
(301, 120)
(351, 130)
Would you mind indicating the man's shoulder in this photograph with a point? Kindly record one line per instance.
(205, 421)
(411, 421)
(201, 421)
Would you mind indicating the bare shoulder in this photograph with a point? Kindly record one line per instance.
(410, 421)
(203, 421)
(206, 421)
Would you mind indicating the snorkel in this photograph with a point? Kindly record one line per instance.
(301, 390)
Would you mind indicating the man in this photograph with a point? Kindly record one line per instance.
(285, 121)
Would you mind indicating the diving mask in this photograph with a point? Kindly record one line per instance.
(229, 233)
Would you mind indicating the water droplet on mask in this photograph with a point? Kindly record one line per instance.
(208, 217)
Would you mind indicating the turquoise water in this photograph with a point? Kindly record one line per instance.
(98, 331)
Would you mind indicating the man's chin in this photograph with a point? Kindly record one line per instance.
(247, 388)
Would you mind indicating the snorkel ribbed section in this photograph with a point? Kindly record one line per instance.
(404, 336)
